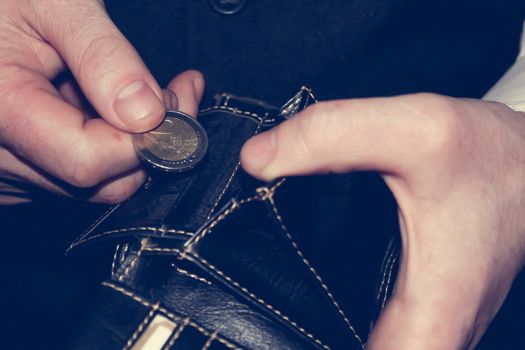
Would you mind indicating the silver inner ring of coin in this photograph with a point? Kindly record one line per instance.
(173, 140)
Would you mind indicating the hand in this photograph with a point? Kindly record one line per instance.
(456, 168)
(47, 137)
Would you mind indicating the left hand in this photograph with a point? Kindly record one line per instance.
(457, 170)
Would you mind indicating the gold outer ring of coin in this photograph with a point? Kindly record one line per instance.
(179, 143)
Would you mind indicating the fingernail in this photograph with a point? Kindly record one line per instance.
(259, 152)
(137, 102)
(198, 84)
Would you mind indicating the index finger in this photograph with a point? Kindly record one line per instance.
(39, 126)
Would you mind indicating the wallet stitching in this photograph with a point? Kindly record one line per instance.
(386, 271)
(228, 183)
(388, 282)
(127, 293)
(209, 341)
(224, 190)
(132, 263)
(167, 313)
(161, 230)
(246, 291)
(80, 239)
(239, 112)
(388, 254)
(385, 267)
(192, 275)
(124, 253)
(221, 340)
(114, 261)
(176, 335)
(235, 204)
(145, 322)
(259, 300)
(314, 272)
(162, 250)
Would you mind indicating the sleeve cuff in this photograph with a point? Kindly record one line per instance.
(510, 89)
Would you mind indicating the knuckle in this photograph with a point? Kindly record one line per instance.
(115, 193)
(311, 128)
(84, 172)
(101, 57)
(323, 128)
(439, 126)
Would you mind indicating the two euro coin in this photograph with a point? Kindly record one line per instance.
(179, 143)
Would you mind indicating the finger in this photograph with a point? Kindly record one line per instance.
(111, 191)
(69, 92)
(15, 168)
(10, 195)
(118, 189)
(42, 128)
(110, 72)
(170, 100)
(430, 312)
(383, 134)
(72, 94)
(189, 88)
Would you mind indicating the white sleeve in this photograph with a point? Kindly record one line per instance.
(510, 89)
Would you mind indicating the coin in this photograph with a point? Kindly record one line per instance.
(179, 143)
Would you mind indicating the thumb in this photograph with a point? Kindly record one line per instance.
(446, 317)
(108, 69)
(335, 136)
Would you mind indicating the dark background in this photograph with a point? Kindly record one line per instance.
(341, 49)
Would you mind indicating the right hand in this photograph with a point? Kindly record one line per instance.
(47, 138)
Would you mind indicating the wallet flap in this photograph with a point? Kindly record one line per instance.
(171, 206)
(249, 249)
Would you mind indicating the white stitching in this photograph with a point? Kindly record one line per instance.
(166, 312)
(160, 230)
(191, 242)
(262, 192)
(388, 253)
(312, 270)
(237, 111)
(127, 293)
(132, 263)
(189, 274)
(161, 250)
(310, 94)
(385, 268)
(177, 334)
(226, 343)
(124, 253)
(114, 262)
(259, 300)
(80, 240)
(224, 190)
(230, 109)
(388, 282)
(141, 327)
(209, 341)
(230, 179)
(217, 337)
(291, 107)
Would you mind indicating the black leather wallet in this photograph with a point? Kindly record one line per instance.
(215, 259)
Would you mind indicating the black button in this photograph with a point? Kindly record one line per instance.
(227, 7)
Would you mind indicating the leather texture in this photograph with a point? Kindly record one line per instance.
(221, 255)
